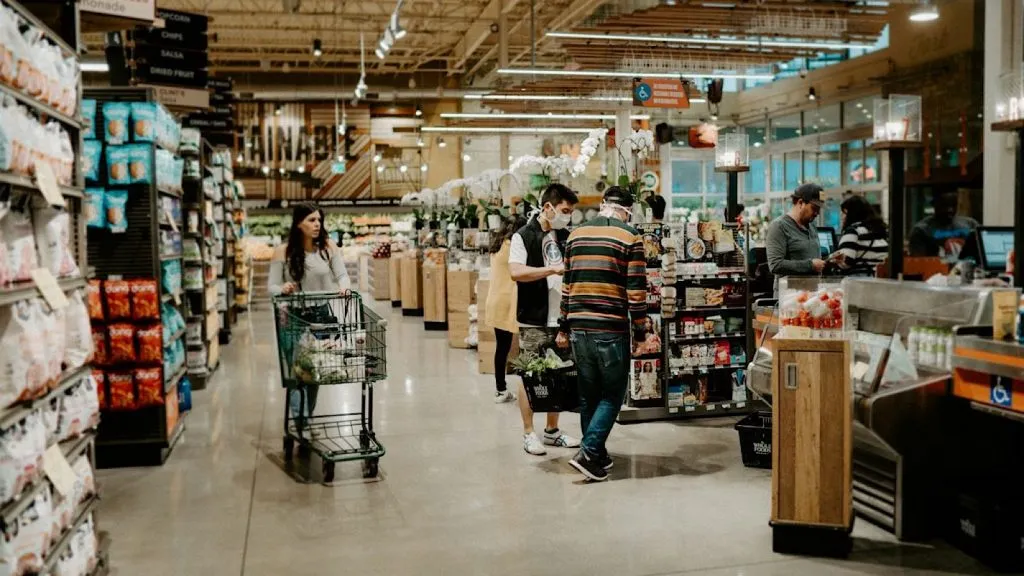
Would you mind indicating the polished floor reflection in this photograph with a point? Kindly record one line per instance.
(457, 496)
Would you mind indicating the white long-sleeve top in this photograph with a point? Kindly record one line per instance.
(325, 272)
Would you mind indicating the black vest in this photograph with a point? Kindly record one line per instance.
(532, 303)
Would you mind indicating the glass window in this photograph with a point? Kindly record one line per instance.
(686, 177)
(855, 170)
(778, 174)
(810, 166)
(793, 177)
(682, 206)
(778, 207)
(831, 214)
(717, 182)
(872, 166)
(857, 112)
(829, 167)
(786, 127)
(824, 119)
(753, 181)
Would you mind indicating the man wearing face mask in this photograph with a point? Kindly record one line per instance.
(535, 263)
(604, 296)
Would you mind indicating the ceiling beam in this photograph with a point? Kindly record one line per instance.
(481, 29)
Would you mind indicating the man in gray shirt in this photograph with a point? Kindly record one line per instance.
(792, 241)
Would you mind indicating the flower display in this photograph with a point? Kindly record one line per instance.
(587, 150)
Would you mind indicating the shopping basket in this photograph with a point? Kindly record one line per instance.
(553, 390)
(756, 439)
(327, 338)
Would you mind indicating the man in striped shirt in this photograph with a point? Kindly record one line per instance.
(604, 289)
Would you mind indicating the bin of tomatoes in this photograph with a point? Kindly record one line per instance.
(819, 310)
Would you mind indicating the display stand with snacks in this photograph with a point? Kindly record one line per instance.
(49, 400)
(135, 246)
(200, 260)
(689, 359)
(223, 177)
(435, 289)
(242, 266)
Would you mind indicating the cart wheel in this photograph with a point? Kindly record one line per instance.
(303, 450)
(328, 471)
(364, 440)
(289, 447)
(370, 468)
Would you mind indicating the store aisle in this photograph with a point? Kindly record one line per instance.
(458, 495)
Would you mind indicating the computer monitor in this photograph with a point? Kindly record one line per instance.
(827, 240)
(995, 243)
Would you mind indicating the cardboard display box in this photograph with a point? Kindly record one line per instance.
(461, 290)
(380, 269)
(395, 279)
(434, 290)
(485, 351)
(412, 286)
(458, 329)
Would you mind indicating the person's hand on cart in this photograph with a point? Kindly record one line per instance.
(561, 340)
(289, 288)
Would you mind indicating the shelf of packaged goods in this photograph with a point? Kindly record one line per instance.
(18, 411)
(168, 298)
(45, 30)
(176, 376)
(695, 370)
(174, 337)
(703, 337)
(723, 408)
(40, 107)
(102, 555)
(27, 183)
(168, 192)
(730, 276)
(711, 309)
(25, 290)
(167, 257)
(65, 539)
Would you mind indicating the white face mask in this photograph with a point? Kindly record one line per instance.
(559, 220)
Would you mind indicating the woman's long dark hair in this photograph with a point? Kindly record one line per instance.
(860, 211)
(509, 226)
(295, 251)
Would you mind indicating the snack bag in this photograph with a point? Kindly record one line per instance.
(53, 236)
(16, 234)
(140, 164)
(100, 378)
(94, 300)
(92, 154)
(190, 138)
(150, 343)
(118, 296)
(88, 118)
(52, 323)
(16, 351)
(122, 342)
(150, 384)
(122, 391)
(118, 158)
(115, 122)
(116, 203)
(144, 120)
(145, 300)
(78, 345)
(99, 346)
(95, 209)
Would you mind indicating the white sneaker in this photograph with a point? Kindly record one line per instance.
(502, 397)
(561, 440)
(532, 444)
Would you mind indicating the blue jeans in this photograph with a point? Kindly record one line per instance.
(602, 362)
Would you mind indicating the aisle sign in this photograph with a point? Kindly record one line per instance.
(176, 97)
(660, 93)
(134, 9)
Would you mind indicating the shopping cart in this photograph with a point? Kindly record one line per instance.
(328, 339)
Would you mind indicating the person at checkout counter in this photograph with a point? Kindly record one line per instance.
(864, 243)
(944, 233)
(792, 241)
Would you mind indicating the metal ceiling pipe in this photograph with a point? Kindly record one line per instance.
(383, 93)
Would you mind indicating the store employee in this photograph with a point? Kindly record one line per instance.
(792, 241)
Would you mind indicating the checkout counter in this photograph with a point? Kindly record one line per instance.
(904, 409)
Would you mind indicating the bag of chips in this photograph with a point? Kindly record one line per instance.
(100, 378)
(100, 355)
(116, 204)
(78, 345)
(17, 238)
(122, 391)
(150, 343)
(115, 122)
(122, 342)
(145, 300)
(53, 238)
(118, 296)
(95, 208)
(94, 300)
(151, 386)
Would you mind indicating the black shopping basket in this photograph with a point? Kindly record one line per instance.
(553, 391)
(756, 440)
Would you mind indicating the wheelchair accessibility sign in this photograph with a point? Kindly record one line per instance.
(1002, 391)
(642, 92)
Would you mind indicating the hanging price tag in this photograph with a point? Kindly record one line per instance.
(49, 288)
(57, 469)
(47, 182)
(170, 220)
(177, 298)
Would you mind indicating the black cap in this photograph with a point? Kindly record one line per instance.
(618, 196)
(811, 193)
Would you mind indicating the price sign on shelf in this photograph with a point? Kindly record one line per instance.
(49, 288)
(170, 220)
(47, 182)
(57, 469)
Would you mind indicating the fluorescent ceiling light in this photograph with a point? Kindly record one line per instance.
(506, 130)
(558, 98)
(632, 74)
(465, 116)
(925, 12)
(762, 42)
(95, 66)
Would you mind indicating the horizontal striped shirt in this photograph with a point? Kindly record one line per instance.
(864, 249)
(605, 282)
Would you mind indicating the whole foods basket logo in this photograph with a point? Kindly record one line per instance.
(762, 448)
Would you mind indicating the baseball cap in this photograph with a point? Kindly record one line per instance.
(811, 193)
(618, 196)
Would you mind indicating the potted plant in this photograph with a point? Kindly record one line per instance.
(494, 214)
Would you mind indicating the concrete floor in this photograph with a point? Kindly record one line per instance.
(458, 494)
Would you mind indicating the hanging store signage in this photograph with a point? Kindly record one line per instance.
(170, 75)
(337, 167)
(660, 93)
(202, 122)
(177, 97)
(174, 38)
(175, 20)
(220, 84)
(170, 57)
(134, 9)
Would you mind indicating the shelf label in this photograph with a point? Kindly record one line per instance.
(49, 288)
(689, 408)
(170, 220)
(673, 410)
(741, 404)
(703, 370)
(709, 407)
(57, 469)
(48, 184)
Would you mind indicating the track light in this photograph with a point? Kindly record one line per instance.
(380, 169)
(441, 143)
(403, 168)
(419, 112)
(265, 170)
(396, 28)
(380, 53)
(924, 12)
(277, 110)
(318, 48)
(376, 158)
(812, 94)
(419, 142)
(467, 157)
(301, 169)
(423, 167)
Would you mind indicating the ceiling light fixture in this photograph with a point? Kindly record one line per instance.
(547, 116)
(419, 142)
(376, 158)
(277, 110)
(754, 42)
(301, 169)
(318, 48)
(634, 74)
(467, 157)
(504, 130)
(812, 94)
(423, 167)
(403, 168)
(265, 170)
(419, 112)
(380, 53)
(440, 142)
(94, 66)
(396, 28)
(380, 168)
(924, 12)
(558, 98)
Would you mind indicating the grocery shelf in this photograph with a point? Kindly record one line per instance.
(27, 183)
(55, 552)
(166, 257)
(711, 309)
(704, 337)
(175, 377)
(25, 290)
(40, 107)
(676, 372)
(723, 408)
(18, 411)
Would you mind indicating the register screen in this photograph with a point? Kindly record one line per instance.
(997, 245)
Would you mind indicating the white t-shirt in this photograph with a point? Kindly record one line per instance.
(552, 257)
